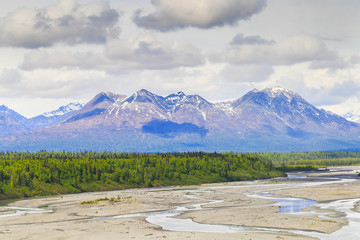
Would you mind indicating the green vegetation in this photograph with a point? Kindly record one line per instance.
(111, 200)
(48, 173)
(324, 162)
(313, 158)
(310, 161)
(293, 168)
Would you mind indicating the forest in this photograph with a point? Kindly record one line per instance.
(307, 160)
(48, 173)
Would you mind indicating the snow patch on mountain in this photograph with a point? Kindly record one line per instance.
(277, 91)
(352, 117)
(71, 107)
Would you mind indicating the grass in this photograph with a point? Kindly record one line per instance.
(116, 199)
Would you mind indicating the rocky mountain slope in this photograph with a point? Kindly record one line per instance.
(273, 119)
(52, 118)
(11, 122)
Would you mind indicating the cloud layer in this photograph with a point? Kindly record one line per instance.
(143, 51)
(171, 15)
(67, 22)
(35, 84)
(246, 73)
(289, 51)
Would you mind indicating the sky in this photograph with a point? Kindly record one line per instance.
(56, 52)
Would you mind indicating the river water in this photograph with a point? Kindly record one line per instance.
(167, 219)
(19, 211)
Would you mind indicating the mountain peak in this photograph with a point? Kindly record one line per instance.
(144, 92)
(10, 121)
(270, 119)
(175, 98)
(277, 91)
(103, 97)
(64, 110)
(3, 108)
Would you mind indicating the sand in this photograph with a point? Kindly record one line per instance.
(72, 220)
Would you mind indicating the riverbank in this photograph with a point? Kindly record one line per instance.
(86, 215)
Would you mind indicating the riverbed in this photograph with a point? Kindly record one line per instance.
(309, 205)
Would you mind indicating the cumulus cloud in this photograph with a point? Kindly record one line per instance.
(142, 51)
(150, 52)
(321, 87)
(66, 22)
(170, 15)
(343, 90)
(333, 61)
(240, 39)
(292, 50)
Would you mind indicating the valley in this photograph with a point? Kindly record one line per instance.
(238, 210)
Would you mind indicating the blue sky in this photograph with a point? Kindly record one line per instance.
(56, 52)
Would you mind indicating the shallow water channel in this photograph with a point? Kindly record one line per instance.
(167, 220)
(19, 211)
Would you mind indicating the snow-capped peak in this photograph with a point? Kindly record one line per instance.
(276, 91)
(175, 98)
(71, 107)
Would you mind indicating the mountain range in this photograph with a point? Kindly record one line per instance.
(12, 122)
(273, 119)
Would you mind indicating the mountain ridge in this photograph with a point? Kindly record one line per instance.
(268, 119)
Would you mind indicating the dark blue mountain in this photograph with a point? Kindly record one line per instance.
(11, 122)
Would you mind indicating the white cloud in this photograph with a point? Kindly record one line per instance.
(171, 15)
(62, 83)
(289, 51)
(9, 77)
(147, 51)
(65, 22)
(321, 87)
(142, 51)
(351, 104)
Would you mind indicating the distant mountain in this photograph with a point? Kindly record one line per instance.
(352, 117)
(11, 122)
(278, 110)
(53, 117)
(273, 119)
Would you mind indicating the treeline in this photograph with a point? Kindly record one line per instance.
(45, 173)
(322, 162)
(278, 157)
(345, 158)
